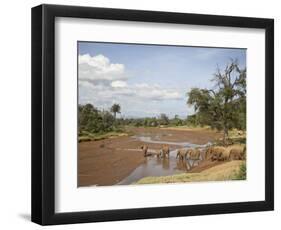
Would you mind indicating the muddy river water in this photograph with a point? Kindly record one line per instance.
(154, 166)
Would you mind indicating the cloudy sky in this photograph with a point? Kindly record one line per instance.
(147, 80)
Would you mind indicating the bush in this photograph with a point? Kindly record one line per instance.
(93, 120)
(242, 174)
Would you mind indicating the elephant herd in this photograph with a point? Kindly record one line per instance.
(213, 153)
(220, 153)
(191, 154)
(164, 152)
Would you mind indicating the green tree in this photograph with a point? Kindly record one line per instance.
(88, 115)
(115, 108)
(192, 120)
(164, 120)
(224, 106)
(108, 120)
(94, 121)
(177, 121)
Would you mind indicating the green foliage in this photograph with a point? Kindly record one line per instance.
(115, 108)
(142, 122)
(176, 121)
(242, 174)
(224, 106)
(86, 136)
(164, 120)
(192, 120)
(94, 121)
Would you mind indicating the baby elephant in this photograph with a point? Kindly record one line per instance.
(182, 154)
(158, 153)
(144, 150)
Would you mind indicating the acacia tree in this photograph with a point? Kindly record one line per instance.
(224, 106)
(115, 108)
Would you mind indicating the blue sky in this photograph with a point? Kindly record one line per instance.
(147, 80)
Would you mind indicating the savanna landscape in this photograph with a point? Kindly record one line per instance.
(135, 127)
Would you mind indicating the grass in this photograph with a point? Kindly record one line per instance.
(242, 173)
(235, 136)
(227, 171)
(85, 136)
(187, 128)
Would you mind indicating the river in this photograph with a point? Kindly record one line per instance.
(154, 166)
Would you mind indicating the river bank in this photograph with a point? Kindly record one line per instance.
(111, 160)
(222, 172)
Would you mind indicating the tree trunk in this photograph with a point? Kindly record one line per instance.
(225, 135)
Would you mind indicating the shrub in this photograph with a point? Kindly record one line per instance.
(242, 174)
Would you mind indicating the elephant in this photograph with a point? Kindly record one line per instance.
(158, 153)
(165, 151)
(224, 155)
(182, 154)
(237, 153)
(208, 153)
(220, 153)
(194, 154)
(215, 153)
(144, 150)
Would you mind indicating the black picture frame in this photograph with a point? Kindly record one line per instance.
(43, 114)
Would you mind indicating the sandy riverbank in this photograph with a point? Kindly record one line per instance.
(108, 161)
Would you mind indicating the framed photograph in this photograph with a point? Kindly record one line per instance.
(142, 114)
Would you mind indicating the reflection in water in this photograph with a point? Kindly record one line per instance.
(155, 166)
(183, 165)
(166, 163)
(159, 160)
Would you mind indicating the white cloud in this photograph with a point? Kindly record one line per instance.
(119, 84)
(155, 92)
(103, 83)
(99, 69)
(122, 92)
